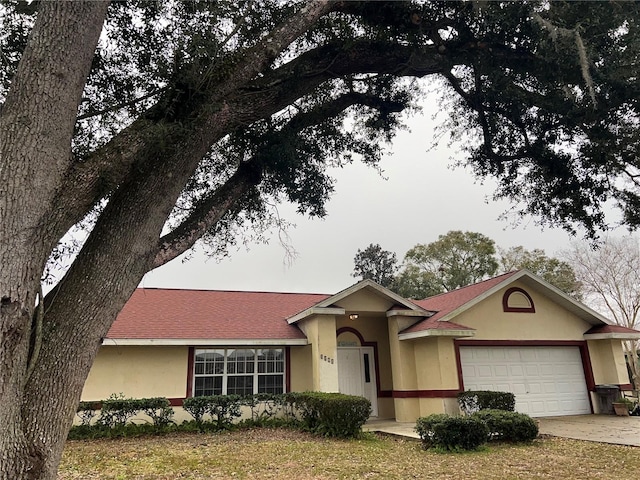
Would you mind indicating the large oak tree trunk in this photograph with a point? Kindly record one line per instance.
(36, 124)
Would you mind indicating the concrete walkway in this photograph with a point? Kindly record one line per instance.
(403, 429)
(592, 428)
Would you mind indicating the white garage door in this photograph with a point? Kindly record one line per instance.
(547, 381)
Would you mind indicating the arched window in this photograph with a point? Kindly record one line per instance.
(517, 300)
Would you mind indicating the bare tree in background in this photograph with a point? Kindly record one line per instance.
(610, 278)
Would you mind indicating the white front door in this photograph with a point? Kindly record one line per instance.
(357, 374)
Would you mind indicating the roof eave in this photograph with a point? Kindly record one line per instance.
(612, 336)
(315, 311)
(436, 332)
(410, 313)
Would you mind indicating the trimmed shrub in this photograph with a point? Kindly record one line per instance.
(452, 433)
(424, 427)
(264, 406)
(508, 426)
(332, 414)
(290, 405)
(159, 409)
(197, 407)
(474, 401)
(117, 410)
(224, 409)
(87, 411)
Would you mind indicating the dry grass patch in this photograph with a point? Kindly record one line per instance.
(269, 453)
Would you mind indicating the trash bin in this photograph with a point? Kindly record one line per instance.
(607, 394)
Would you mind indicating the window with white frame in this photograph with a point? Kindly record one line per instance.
(240, 371)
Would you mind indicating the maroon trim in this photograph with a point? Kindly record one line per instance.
(588, 368)
(355, 332)
(385, 393)
(458, 365)
(626, 386)
(505, 301)
(190, 363)
(287, 369)
(425, 393)
(519, 343)
(581, 344)
(363, 343)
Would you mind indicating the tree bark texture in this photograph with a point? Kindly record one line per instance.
(35, 143)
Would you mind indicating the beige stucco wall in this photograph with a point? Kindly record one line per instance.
(403, 367)
(364, 301)
(320, 331)
(138, 372)
(301, 368)
(549, 322)
(607, 359)
(432, 367)
(436, 367)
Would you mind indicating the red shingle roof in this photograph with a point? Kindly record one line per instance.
(446, 303)
(200, 314)
(611, 329)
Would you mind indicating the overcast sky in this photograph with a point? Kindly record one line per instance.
(420, 199)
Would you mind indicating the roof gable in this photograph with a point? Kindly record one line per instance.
(351, 298)
(373, 287)
(450, 304)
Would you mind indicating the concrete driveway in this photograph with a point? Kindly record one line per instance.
(592, 428)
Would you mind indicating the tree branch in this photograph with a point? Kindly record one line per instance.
(90, 180)
(249, 174)
(120, 106)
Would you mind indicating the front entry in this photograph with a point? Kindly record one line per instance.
(357, 374)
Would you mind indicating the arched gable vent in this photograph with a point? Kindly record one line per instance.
(517, 300)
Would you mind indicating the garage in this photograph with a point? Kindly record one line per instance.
(546, 380)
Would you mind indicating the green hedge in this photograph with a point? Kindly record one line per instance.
(117, 410)
(265, 407)
(469, 432)
(508, 426)
(224, 409)
(330, 414)
(87, 412)
(474, 401)
(452, 433)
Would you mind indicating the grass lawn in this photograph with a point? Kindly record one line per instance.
(268, 453)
